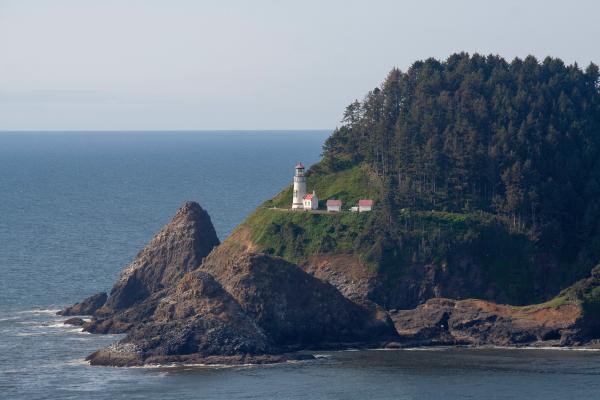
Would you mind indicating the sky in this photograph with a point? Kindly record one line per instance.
(254, 64)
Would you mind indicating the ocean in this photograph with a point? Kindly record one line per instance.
(76, 207)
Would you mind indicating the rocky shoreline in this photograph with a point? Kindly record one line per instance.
(186, 298)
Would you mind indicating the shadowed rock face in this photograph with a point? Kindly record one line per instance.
(178, 248)
(197, 319)
(87, 306)
(292, 307)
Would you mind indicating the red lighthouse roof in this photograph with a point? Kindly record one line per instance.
(299, 166)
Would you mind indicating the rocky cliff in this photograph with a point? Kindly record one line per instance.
(185, 298)
(177, 249)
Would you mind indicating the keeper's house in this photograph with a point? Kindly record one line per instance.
(310, 201)
(334, 205)
(365, 205)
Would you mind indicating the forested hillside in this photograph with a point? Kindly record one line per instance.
(519, 140)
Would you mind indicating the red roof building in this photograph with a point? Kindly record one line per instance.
(299, 166)
(365, 205)
(334, 205)
(310, 201)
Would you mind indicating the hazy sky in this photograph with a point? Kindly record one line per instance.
(177, 64)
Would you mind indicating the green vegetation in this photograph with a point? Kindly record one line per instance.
(296, 235)
(555, 302)
(519, 140)
(481, 170)
(587, 293)
(424, 237)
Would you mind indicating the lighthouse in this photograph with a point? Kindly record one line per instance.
(299, 187)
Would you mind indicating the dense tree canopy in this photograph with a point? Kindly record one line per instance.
(520, 140)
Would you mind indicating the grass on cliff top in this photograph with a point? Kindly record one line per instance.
(297, 235)
(585, 292)
(348, 185)
(555, 302)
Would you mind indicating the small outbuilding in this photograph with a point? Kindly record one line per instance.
(365, 205)
(310, 201)
(334, 205)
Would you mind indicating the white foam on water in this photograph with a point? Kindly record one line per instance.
(78, 361)
(438, 348)
(40, 311)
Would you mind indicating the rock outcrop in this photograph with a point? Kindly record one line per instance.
(240, 307)
(185, 299)
(293, 307)
(478, 322)
(178, 248)
(87, 306)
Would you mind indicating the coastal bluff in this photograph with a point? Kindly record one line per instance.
(188, 299)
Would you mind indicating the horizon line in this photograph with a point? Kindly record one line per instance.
(158, 130)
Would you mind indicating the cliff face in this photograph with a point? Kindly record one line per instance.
(197, 320)
(294, 308)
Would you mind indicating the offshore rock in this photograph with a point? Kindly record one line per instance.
(178, 248)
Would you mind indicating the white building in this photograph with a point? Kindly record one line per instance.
(334, 205)
(299, 188)
(310, 201)
(365, 205)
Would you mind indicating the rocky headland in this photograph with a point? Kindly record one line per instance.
(485, 231)
(185, 298)
(188, 299)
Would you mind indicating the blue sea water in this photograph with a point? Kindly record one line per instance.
(76, 207)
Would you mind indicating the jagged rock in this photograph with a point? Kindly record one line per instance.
(197, 318)
(178, 248)
(239, 306)
(87, 306)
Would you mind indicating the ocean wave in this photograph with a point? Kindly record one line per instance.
(40, 311)
(4, 319)
(78, 361)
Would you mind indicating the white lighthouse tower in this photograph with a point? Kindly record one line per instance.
(299, 187)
